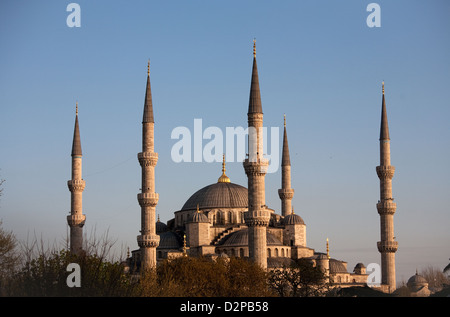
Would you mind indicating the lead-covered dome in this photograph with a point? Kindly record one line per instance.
(218, 195)
(240, 238)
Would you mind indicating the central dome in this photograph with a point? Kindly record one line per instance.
(218, 195)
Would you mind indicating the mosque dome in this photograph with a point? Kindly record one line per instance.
(240, 238)
(218, 195)
(222, 194)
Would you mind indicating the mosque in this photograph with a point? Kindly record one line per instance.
(224, 219)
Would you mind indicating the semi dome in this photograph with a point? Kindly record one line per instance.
(240, 238)
(218, 195)
(169, 240)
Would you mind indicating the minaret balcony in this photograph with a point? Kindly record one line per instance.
(385, 171)
(148, 240)
(76, 185)
(257, 166)
(148, 158)
(286, 193)
(76, 220)
(387, 246)
(257, 218)
(148, 199)
(386, 207)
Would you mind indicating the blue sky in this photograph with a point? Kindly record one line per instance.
(319, 63)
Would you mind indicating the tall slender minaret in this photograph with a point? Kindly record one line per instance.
(76, 185)
(286, 193)
(386, 206)
(257, 217)
(148, 240)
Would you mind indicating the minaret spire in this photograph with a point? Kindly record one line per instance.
(148, 105)
(76, 185)
(148, 240)
(254, 105)
(386, 206)
(257, 217)
(286, 193)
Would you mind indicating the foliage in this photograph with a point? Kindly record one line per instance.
(8, 257)
(204, 277)
(47, 276)
(301, 278)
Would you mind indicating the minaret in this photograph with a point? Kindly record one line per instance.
(286, 193)
(76, 185)
(257, 217)
(148, 240)
(386, 206)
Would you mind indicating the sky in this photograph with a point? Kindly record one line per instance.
(319, 63)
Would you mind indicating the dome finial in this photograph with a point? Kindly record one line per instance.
(184, 245)
(224, 178)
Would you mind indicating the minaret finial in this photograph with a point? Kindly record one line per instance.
(383, 86)
(254, 47)
(285, 120)
(328, 249)
(76, 108)
(148, 67)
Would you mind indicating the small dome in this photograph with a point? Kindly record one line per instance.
(199, 217)
(160, 227)
(416, 280)
(293, 219)
(337, 266)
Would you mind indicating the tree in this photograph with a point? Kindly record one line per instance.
(8, 258)
(301, 278)
(205, 277)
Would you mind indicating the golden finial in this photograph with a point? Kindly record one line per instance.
(198, 210)
(158, 218)
(254, 47)
(383, 86)
(148, 67)
(328, 249)
(223, 178)
(184, 246)
(76, 108)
